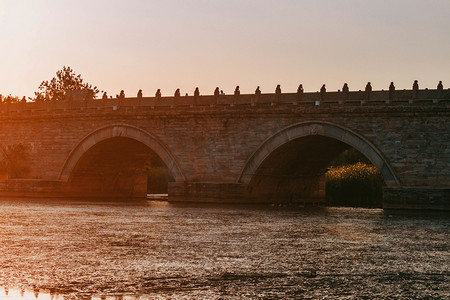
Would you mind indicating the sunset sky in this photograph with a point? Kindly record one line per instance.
(169, 44)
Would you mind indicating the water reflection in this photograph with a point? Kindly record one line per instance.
(147, 250)
(30, 294)
(26, 294)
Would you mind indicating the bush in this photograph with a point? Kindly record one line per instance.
(14, 161)
(356, 185)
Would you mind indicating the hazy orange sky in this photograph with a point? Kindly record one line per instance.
(168, 44)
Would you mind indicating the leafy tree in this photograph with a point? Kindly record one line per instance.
(11, 99)
(349, 157)
(65, 80)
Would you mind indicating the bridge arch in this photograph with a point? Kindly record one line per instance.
(125, 132)
(289, 144)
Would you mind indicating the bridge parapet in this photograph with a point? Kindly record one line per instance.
(310, 98)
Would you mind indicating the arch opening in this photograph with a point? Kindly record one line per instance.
(119, 161)
(290, 166)
(119, 167)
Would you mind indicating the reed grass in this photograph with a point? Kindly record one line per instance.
(355, 185)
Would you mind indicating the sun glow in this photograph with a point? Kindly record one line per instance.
(148, 45)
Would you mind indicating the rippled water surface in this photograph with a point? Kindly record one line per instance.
(119, 250)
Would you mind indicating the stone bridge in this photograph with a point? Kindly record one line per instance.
(233, 148)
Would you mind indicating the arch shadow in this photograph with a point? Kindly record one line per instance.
(120, 130)
(319, 128)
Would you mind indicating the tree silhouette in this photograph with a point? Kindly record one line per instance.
(65, 80)
(11, 99)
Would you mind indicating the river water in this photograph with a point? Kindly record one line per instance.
(55, 249)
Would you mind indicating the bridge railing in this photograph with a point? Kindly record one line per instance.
(355, 97)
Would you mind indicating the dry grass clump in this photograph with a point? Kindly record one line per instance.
(358, 184)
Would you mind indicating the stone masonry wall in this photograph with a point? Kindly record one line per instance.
(212, 142)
